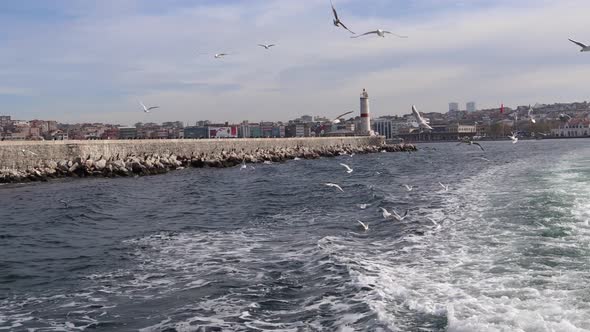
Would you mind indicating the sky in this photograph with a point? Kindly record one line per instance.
(91, 61)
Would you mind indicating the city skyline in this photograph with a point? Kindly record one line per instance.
(91, 62)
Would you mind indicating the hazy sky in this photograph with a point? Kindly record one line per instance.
(90, 60)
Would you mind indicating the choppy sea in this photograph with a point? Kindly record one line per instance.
(506, 248)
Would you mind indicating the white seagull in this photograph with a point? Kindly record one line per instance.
(66, 205)
(27, 151)
(438, 226)
(421, 122)
(564, 117)
(446, 187)
(348, 169)
(334, 185)
(409, 188)
(585, 48)
(530, 117)
(514, 138)
(386, 213)
(365, 226)
(147, 109)
(380, 33)
(266, 46)
(339, 117)
(364, 206)
(398, 217)
(336, 20)
(471, 142)
(220, 55)
(243, 165)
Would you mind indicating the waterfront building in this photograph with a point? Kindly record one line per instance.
(461, 128)
(127, 132)
(383, 127)
(196, 132)
(255, 131)
(574, 128)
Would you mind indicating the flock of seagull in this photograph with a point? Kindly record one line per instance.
(387, 215)
(337, 22)
(422, 123)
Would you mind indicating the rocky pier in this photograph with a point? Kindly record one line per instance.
(130, 160)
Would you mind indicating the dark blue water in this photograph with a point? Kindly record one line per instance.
(506, 248)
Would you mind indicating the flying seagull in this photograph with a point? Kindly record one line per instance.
(348, 169)
(220, 55)
(25, 152)
(334, 185)
(564, 117)
(585, 48)
(386, 213)
(438, 225)
(380, 33)
(471, 142)
(445, 187)
(365, 226)
(147, 109)
(398, 217)
(514, 138)
(339, 117)
(421, 122)
(266, 46)
(336, 20)
(409, 188)
(364, 206)
(530, 117)
(66, 205)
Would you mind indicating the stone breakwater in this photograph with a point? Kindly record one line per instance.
(131, 158)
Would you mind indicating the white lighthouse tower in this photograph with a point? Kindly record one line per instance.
(365, 129)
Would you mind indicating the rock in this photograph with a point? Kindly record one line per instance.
(100, 164)
(73, 168)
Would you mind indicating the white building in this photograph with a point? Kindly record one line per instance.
(461, 129)
(574, 128)
(470, 107)
(391, 128)
(453, 107)
(383, 127)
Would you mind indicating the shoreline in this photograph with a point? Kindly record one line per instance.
(501, 140)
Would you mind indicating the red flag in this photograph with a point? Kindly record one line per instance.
(502, 109)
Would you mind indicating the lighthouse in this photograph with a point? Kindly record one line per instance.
(365, 129)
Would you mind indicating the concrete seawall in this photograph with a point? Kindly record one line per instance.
(40, 161)
(37, 153)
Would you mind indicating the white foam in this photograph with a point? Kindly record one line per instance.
(475, 272)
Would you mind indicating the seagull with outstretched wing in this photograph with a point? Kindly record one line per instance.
(338, 119)
(421, 122)
(147, 109)
(337, 21)
(380, 33)
(266, 46)
(585, 48)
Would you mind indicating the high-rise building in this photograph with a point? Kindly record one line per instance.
(471, 106)
(453, 107)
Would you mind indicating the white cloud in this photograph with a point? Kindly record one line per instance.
(95, 65)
